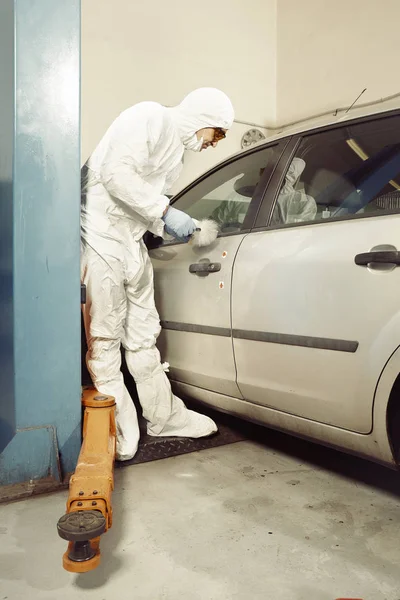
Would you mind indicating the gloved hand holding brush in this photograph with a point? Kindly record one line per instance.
(184, 228)
(178, 224)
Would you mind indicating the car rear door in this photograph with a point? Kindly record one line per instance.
(195, 304)
(316, 288)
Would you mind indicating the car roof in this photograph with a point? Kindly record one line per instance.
(336, 117)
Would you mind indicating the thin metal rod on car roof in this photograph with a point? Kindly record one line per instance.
(359, 96)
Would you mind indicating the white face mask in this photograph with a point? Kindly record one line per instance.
(194, 144)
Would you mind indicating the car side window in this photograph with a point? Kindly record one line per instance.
(349, 171)
(226, 194)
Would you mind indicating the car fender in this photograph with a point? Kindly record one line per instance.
(381, 399)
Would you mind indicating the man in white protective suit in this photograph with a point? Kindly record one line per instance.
(123, 196)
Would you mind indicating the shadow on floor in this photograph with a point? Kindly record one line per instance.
(329, 459)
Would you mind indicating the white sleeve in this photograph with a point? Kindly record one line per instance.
(128, 154)
(157, 228)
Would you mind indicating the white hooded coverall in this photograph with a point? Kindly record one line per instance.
(123, 196)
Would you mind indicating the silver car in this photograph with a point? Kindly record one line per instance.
(291, 318)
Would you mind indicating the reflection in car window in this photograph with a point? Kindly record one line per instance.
(354, 170)
(294, 205)
(225, 195)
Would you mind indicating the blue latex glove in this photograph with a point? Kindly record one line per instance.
(178, 224)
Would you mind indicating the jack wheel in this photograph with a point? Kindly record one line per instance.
(81, 552)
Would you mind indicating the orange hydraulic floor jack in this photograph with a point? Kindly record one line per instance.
(89, 510)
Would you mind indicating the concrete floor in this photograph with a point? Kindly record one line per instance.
(283, 520)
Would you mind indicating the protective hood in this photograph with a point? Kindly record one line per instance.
(204, 107)
(296, 168)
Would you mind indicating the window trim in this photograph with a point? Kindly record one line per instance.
(262, 187)
(266, 210)
(271, 192)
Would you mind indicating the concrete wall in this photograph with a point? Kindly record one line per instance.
(134, 51)
(328, 52)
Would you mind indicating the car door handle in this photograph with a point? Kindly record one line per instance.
(205, 267)
(378, 256)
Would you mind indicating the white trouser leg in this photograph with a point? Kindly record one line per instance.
(104, 317)
(166, 414)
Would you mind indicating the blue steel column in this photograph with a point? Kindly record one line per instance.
(46, 244)
(7, 397)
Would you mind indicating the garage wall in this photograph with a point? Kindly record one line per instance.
(134, 51)
(328, 52)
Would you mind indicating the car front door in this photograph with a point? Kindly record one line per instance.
(316, 291)
(195, 304)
